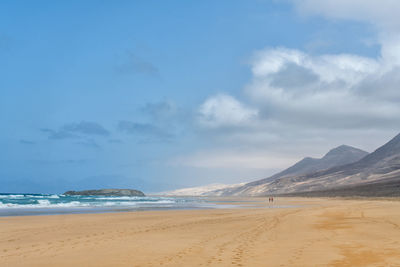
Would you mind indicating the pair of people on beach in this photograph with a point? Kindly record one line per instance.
(271, 199)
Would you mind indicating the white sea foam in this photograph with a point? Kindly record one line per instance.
(43, 202)
(8, 205)
(42, 196)
(11, 196)
(139, 199)
(46, 203)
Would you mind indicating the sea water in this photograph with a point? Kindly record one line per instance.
(40, 204)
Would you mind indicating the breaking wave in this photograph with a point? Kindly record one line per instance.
(41, 201)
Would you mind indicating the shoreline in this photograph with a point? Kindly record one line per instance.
(227, 202)
(316, 232)
(175, 203)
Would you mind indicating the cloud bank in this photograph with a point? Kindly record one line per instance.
(298, 101)
(322, 91)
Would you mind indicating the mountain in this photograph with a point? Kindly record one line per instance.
(107, 192)
(380, 166)
(336, 157)
(381, 188)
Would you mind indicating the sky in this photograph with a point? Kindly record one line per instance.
(159, 95)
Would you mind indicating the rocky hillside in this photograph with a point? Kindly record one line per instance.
(335, 157)
(381, 165)
(381, 188)
(338, 156)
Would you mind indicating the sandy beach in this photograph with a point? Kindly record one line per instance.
(316, 232)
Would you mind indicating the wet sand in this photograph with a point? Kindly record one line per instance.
(316, 232)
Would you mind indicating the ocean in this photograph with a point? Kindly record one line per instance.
(42, 204)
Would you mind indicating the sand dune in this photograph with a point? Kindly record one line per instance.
(316, 233)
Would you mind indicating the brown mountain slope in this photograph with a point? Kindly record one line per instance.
(336, 157)
(381, 188)
(383, 163)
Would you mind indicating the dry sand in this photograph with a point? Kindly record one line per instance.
(317, 233)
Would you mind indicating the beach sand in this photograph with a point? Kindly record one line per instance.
(317, 232)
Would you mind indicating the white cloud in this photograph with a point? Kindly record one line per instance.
(224, 111)
(300, 104)
(346, 67)
(320, 90)
(347, 91)
(333, 90)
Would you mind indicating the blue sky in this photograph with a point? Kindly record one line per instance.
(157, 95)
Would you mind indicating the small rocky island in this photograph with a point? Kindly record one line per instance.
(107, 192)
